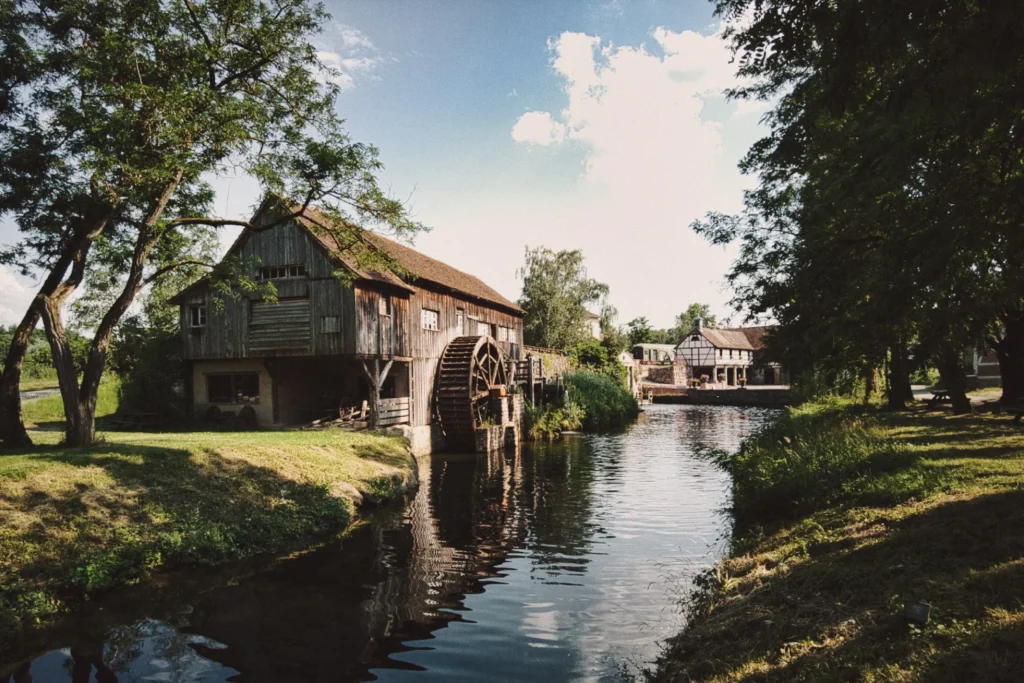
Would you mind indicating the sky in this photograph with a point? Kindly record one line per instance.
(599, 126)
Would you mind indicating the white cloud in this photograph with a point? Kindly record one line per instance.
(538, 128)
(348, 56)
(653, 164)
(17, 293)
(354, 39)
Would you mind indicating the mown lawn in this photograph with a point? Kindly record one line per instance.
(77, 522)
(912, 507)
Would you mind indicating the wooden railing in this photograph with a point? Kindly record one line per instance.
(393, 411)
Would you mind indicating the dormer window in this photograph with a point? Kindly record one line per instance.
(197, 315)
(282, 272)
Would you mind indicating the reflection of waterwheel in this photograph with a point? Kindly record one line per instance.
(469, 368)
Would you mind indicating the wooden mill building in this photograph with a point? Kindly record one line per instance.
(330, 341)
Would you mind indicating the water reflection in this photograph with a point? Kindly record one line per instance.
(557, 563)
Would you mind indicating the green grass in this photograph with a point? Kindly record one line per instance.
(923, 506)
(49, 410)
(37, 383)
(77, 522)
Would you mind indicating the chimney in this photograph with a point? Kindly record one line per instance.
(698, 323)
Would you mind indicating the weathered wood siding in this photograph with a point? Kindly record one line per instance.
(317, 315)
(236, 328)
(428, 345)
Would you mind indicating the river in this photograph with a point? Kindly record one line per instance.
(564, 562)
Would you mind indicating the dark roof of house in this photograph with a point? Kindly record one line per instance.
(747, 338)
(415, 266)
(418, 266)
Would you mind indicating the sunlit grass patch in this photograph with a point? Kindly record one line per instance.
(75, 522)
(817, 592)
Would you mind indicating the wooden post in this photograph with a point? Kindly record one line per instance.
(529, 377)
(376, 379)
(274, 371)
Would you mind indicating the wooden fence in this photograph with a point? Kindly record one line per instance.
(393, 411)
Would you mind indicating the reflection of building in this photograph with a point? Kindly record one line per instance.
(728, 355)
(334, 614)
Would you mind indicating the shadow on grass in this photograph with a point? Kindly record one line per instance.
(72, 535)
(836, 612)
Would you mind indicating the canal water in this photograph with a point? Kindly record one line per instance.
(565, 562)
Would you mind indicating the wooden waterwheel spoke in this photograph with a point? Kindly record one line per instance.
(477, 364)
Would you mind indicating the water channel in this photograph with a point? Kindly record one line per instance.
(564, 562)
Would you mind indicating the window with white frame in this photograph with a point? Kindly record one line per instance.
(430, 320)
(482, 328)
(197, 315)
(460, 322)
(503, 334)
(512, 336)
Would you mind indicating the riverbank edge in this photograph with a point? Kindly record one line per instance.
(31, 609)
(819, 593)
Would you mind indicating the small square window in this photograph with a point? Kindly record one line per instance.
(197, 315)
(384, 305)
(429, 319)
(482, 328)
(331, 324)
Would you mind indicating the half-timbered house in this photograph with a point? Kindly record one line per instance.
(339, 334)
(728, 356)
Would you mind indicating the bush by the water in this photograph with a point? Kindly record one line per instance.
(818, 454)
(547, 422)
(605, 403)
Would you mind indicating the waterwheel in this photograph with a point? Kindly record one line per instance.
(470, 366)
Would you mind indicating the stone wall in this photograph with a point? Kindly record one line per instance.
(675, 374)
(766, 398)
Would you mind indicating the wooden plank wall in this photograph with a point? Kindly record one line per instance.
(352, 311)
(428, 345)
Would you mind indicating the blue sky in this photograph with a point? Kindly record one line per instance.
(591, 125)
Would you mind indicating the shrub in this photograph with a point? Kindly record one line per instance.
(813, 456)
(547, 422)
(605, 403)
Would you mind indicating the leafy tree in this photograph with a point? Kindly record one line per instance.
(639, 331)
(129, 104)
(556, 294)
(687, 321)
(889, 203)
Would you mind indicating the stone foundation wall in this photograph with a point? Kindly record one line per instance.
(676, 374)
(766, 398)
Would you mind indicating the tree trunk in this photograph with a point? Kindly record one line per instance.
(954, 379)
(82, 430)
(12, 429)
(1010, 350)
(870, 382)
(899, 376)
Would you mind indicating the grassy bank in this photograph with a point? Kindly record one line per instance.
(842, 517)
(77, 522)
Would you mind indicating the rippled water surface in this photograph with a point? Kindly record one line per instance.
(564, 562)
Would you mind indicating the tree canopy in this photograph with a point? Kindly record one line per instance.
(889, 207)
(556, 296)
(113, 115)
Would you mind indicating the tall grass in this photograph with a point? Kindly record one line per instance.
(818, 454)
(606, 404)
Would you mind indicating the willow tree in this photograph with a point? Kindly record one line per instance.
(130, 105)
